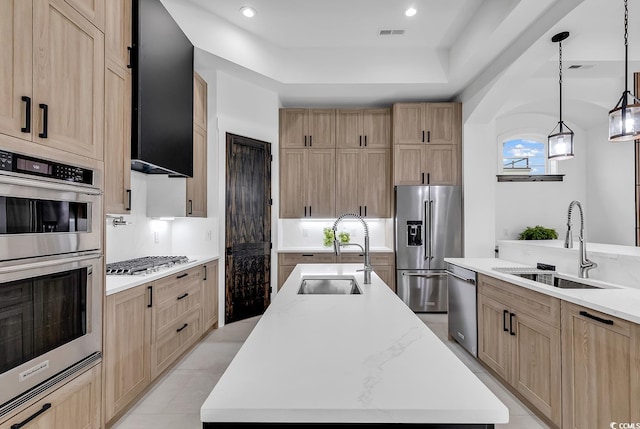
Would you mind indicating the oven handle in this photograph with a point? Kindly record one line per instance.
(55, 261)
(12, 180)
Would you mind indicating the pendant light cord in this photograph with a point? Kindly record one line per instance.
(626, 51)
(560, 80)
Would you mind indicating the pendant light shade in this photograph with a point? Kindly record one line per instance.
(624, 119)
(560, 141)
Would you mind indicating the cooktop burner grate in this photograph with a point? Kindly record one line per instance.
(144, 265)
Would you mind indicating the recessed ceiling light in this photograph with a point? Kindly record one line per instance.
(410, 12)
(247, 11)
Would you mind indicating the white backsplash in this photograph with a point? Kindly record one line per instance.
(308, 233)
(616, 264)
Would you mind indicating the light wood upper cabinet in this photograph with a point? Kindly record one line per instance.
(197, 185)
(308, 128)
(363, 182)
(363, 128)
(93, 10)
(199, 102)
(519, 339)
(75, 405)
(127, 347)
(117, 140)
(16, 29)
(434, 128)
(55, 60)
(600, 367)
(293, 183)
(321, 183)
(118, 32)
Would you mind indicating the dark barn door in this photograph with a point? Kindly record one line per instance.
(248, 228)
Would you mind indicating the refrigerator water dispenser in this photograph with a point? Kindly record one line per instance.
(414, 233)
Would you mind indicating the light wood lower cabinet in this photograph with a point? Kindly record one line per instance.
(600, 369)
(148, 327)
(75, 405)
(519, 339)
(382, 263)
(127, 350)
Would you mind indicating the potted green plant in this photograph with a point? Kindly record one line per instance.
(538, 233)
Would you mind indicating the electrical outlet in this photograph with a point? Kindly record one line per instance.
(305, 232)
(208, 236)
(156, 237)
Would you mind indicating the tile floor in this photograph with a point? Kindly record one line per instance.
(175, 400)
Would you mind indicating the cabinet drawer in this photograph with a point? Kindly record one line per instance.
(177, 337)
(167, 289)
(306, 258)
(537, 305)
(170, 310)
(376, 258)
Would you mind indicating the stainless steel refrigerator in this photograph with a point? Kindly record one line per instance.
(428, 228)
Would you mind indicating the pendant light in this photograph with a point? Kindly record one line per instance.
(624, 119)
(560, 141)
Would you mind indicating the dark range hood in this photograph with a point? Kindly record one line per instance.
(162, 114)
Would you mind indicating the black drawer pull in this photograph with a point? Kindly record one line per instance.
(45, 121)
(307, 254)
(504, 320)
(511, 316)
(205, 273)
(27, 115)
(183, 296)
(181, 276)
(599, 319)
(44, 408)
(183, 326)
(150, 289)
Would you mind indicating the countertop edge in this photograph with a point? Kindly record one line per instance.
(575, 296)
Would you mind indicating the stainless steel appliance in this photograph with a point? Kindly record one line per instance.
(51, 273)
(428, 228)
(463, 310)
(144, 265)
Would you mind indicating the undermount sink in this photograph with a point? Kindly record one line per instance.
(329, 285)
(550, 278)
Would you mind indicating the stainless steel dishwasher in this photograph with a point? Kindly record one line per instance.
(463, 309)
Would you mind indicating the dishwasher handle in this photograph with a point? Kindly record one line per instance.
(424, 275)
(464, 279)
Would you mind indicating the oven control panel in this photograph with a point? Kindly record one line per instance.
(17, 163)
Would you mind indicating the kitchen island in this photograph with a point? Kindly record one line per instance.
(363, 360)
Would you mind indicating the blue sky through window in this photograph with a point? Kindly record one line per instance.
(525, 156)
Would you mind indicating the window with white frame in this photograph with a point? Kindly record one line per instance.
(525, 156)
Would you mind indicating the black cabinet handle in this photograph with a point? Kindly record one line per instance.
(596, 318)
(181, 276)
(190, 207)
(310, 141)
(309, 211)
(183, 326)
(45, 121)
(305, 211)
(428, 178)
(361, 141)
(428, 136)
(511, 316)
(423, 178)
(365, 210)
(504, 320)
(360, 210)
(128, 208)
(183, 296)
(307, 254)
(27, 114)
(44, 408)
(305, 141)
(422, 136)
(365, 141)
(150, 303)
(129, 50)
(205, 273)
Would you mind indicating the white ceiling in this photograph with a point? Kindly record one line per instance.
(495, 54)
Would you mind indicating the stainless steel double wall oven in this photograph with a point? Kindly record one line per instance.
(51, 273)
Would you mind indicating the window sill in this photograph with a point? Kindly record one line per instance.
(530, 177)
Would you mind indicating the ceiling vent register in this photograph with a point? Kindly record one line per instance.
(390, 32)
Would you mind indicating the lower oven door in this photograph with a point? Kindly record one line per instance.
(50, 319)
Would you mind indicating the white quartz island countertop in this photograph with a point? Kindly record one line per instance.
(347, 359)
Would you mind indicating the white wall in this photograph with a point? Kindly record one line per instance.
(522, 204)
(610, 187)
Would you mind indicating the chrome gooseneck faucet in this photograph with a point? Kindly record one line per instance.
(367, 256)
(585, 264)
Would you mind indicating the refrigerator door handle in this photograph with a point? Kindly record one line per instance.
(424, 275)
(430, 227)
(427, 222)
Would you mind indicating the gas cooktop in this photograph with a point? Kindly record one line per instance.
(144, 265)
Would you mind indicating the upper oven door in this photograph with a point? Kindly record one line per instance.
(40, 218)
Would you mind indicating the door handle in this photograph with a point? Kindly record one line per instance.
(190, 207)
(428, 136)
(310, 141)
(150, 303)
(128, 208)
(45, 121)
(430, 226)
(423, 136)
(27, 114)
(472, 281)
(511, 316)
(504, 320)
(205, 273)
(365, 141)
(129, 51)
(360, 140)
(305, 141)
